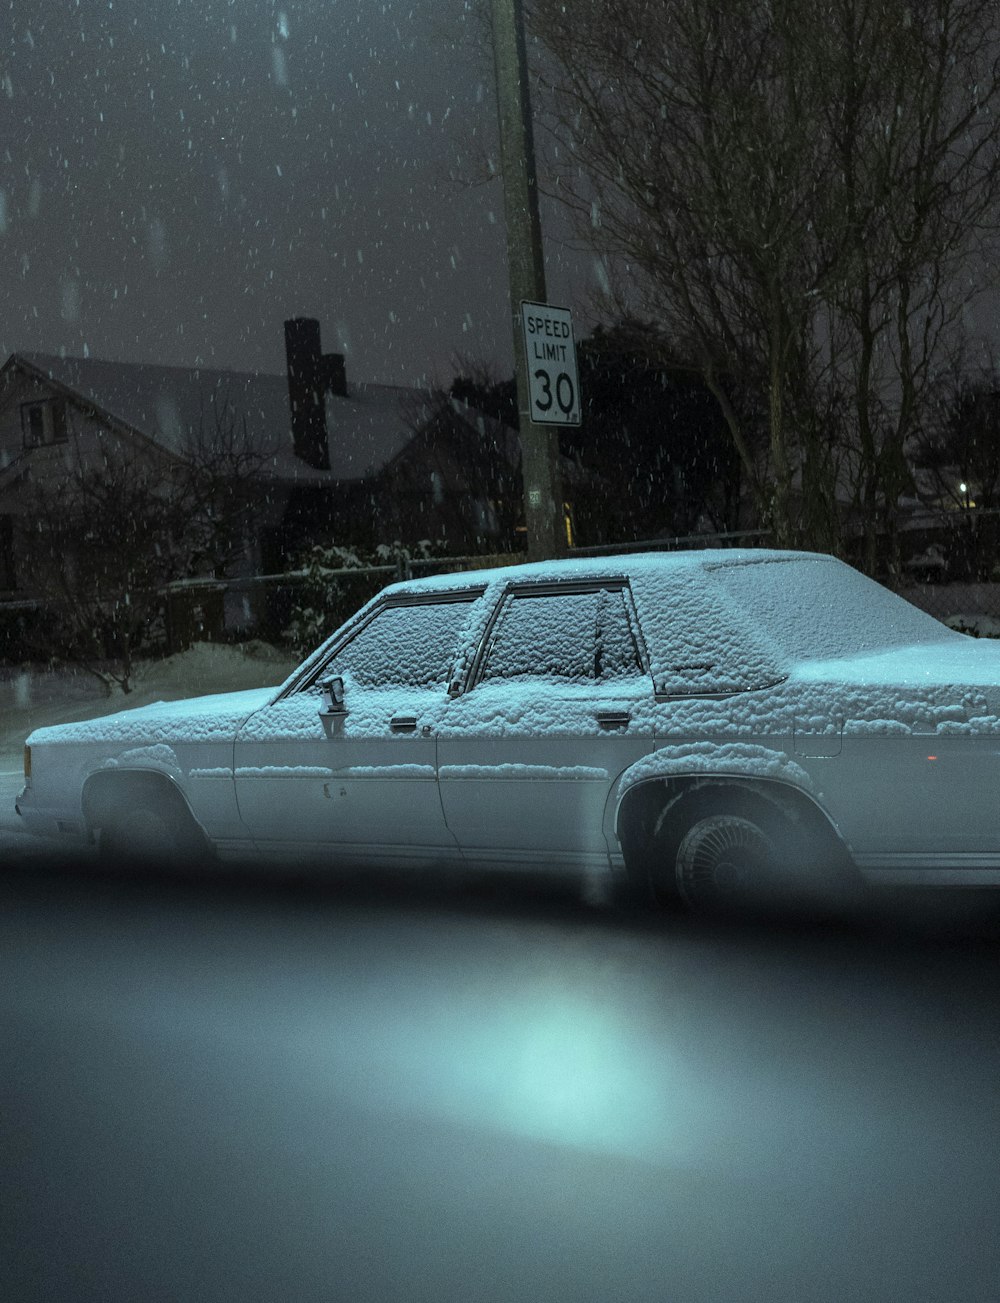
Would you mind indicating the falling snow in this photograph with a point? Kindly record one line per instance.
(231, 174)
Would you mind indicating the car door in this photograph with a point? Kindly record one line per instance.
(359, 784)
(557, 704)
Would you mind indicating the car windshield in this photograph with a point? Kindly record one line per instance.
(819, 608)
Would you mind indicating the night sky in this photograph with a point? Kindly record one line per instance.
(177, 178)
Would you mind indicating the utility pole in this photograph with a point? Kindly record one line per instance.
(543, 503)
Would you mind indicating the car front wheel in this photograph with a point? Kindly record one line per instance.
(150, 832)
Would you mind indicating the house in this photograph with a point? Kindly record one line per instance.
(336, 461)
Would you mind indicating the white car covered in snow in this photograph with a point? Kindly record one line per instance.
(714, 724)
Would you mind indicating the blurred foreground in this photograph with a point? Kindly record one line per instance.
(445, 1088)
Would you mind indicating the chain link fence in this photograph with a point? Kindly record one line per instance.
(949, 573)
(951, 570)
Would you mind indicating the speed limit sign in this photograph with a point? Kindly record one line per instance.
(553, 383)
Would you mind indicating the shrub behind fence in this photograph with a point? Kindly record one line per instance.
(262, 606)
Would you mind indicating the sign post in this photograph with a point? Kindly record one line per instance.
(550, 351)
(543, 501)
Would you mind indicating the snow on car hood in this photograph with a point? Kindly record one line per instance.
(193, 719)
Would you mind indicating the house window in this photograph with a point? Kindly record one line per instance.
(7, 579)
(43, 422)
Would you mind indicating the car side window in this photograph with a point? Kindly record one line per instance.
(572, 637)
(408, 645)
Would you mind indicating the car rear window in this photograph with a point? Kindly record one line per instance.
(575, 637)
(820, 608)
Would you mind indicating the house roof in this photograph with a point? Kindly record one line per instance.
(174, 405)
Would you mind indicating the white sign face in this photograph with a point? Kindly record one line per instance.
(553, 383)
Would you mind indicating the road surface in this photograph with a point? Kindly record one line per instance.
(435, 1090)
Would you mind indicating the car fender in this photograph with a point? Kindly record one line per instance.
(704, 760)
(155, 765)
(156, 758)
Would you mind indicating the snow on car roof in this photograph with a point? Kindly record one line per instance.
(697, 640)
(629, 563)
(729, 620)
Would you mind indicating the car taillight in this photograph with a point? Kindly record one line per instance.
(27, 763)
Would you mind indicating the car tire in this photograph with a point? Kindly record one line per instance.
(792, 862)
(152, 832)
(726, 862)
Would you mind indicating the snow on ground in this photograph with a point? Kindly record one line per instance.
(32, 698)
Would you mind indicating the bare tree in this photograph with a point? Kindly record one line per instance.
(218, 478)
(912, 92)
(957, 455)
(101, 548)
(790, 190)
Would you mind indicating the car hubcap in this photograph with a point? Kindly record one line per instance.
(722, 860)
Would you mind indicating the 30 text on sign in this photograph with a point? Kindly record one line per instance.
(553, 383)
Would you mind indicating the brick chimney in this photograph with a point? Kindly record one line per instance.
(311, 375)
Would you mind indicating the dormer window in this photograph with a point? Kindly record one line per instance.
(43, 422)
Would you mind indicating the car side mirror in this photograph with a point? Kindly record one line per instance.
(333, 697)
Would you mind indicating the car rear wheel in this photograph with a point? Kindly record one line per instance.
(725, 861)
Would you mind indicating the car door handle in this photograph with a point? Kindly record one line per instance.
(613, 719)
(403, 724)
